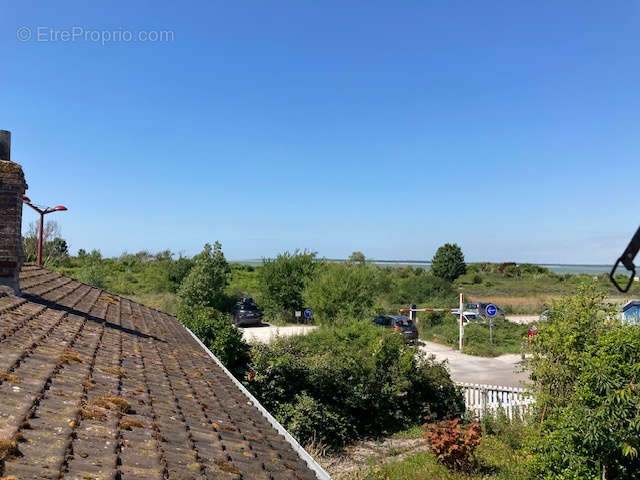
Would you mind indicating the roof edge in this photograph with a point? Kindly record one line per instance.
(302, 453)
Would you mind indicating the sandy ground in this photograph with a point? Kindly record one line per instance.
(266, 332)
(523, 319)
(502, 370)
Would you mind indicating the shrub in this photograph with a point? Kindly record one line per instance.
(448, 262)
(362, 376)
(216, 331)
(205, 283)
(177, 271)
(304, 414)
(342, 291)
(585, 372)
(422, 287)
(453, 442)
(282, 281)
(94, 275)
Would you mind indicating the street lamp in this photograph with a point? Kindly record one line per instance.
(42, 211)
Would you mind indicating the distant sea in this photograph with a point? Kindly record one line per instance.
(554, 267)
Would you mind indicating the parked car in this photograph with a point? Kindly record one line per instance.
(246, 313)
(400, 324)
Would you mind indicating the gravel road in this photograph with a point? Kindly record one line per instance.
(502, 370)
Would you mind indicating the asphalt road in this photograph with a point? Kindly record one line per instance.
(502, 370)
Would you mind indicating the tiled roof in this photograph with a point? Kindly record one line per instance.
(95, 386)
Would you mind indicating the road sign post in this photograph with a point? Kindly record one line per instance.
(461, 311)
(308, 313)
(491, 311)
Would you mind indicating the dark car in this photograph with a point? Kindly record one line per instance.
(400, 324)
(246, 313)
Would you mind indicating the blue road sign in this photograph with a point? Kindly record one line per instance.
(491, 310)
(308, 313)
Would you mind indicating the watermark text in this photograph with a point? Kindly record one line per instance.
(46, 34)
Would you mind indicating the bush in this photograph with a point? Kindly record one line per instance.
(177, 271)
(216, 331)
(453, 442)
(359, 375)
(422, 287)
(304, 414)
(585, 368)
(282, 281)
(205, 283)
(342, 292)
(94, 275)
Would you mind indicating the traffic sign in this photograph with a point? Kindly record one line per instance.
(308, 313)
(491, 310)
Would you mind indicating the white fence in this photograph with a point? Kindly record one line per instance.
(489, 398)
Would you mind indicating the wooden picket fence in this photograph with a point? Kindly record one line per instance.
(489, 398)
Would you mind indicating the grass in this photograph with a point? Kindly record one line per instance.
(526, 305)
(526, 293)
(507, 336)
(421, 466)
(411, 432)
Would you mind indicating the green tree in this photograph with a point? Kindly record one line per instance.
(585, 370)
(342, 292)
(282, 281)
(201, 299)
(357, 257)
(205, 283)
(448, 262)
(177, 271)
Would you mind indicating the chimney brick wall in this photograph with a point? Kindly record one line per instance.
(12, 187)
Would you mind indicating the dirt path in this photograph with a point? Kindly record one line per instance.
(349, 465)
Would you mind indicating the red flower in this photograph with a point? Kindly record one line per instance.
(251, 375)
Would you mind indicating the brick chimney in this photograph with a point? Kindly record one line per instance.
(12, 187)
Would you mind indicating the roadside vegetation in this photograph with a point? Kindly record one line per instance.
(584, 424)
(339, 384)
(443, 328)
(524, 289)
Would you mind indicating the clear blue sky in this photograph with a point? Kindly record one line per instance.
(511, 128)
